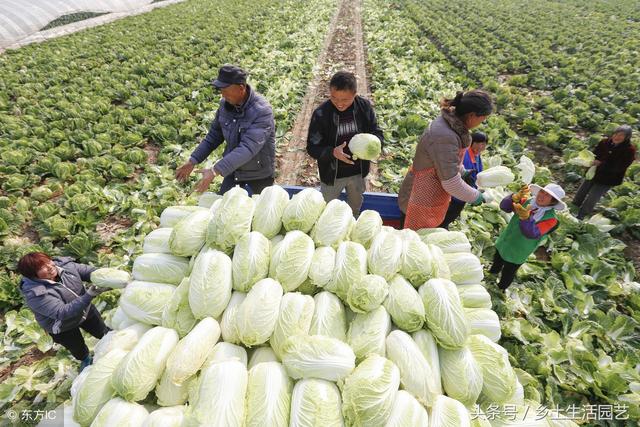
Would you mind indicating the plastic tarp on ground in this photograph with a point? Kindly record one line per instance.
(22, 18)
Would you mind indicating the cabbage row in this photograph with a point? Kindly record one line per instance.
(93, 124)
(573, 321)
(538, 58)
(277, 311)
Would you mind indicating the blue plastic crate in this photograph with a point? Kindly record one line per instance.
(383, 203)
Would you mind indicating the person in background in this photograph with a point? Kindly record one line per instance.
(53, 290)
(613, 156)
(332, 126)
(436, 172)
(533, 219)
(245, 120)
(472, 163)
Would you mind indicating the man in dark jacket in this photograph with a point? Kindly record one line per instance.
(54, 292)
(614, 155)
(245, 120)
(332, 126)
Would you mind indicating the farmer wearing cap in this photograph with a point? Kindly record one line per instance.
(614, 155)
(472, 164)
(533, 219)
(245, 121)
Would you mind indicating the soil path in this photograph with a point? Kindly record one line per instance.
(343, 49)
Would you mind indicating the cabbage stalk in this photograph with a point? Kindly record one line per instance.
(329, 317)
(118, 412)
(448, 412)
(228, 323)
(351, 266)
(157, 241)
(465, 268)
(496, 176)
(499, 378)
(385, 255)
(322, 265)
(96, 389)
(368, 332)
(407, 411)
(231, 219)
(461, 375)
(192, 351)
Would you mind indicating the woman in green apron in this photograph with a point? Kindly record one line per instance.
(534, 218)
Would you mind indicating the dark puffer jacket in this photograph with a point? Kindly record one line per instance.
(60, 306)
(615, 161)
(323, 131)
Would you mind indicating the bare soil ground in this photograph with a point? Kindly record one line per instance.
(343, 49)
(33, 355)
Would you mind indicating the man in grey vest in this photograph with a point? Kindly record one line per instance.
(245, 121)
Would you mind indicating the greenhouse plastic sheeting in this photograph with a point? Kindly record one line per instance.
(22, 18)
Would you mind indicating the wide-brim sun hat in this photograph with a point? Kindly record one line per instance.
(554, 190)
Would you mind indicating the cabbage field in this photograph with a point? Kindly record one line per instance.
(312, 315)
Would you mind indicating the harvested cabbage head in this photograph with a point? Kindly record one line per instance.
(303, 210)
(367, 227)
(495, 177)
(110, 278)
(317, 356)
(270, 206)
(160, 268)
(316, 403)
(291, 260)
(444, 313)
(369, 392)
(189, 234)
(367, 294)
(365, 146)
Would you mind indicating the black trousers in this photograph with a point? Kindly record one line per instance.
(508, 270)
(255, 186)
(455, 208)
(72, 339)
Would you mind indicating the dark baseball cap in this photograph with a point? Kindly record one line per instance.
(230, 75)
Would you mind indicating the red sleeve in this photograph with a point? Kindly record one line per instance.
(546, 225)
